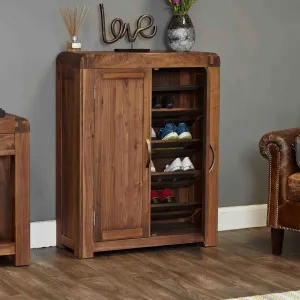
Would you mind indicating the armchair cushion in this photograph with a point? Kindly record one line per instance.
(293, 189)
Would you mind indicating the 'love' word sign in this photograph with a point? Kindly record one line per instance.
(119, 28)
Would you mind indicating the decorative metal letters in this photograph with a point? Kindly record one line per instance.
(119, 29)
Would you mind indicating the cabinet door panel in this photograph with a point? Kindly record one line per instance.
(122, 110)
(212, 157)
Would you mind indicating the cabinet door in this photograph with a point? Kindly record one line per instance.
(212, 157)
(122, 154)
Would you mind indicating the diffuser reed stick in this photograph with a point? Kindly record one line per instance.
(74, 21)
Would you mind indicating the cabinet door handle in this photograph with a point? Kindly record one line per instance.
(149, 152)
(213, 160)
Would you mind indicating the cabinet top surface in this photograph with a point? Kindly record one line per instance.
(105, 59)
(13, 124)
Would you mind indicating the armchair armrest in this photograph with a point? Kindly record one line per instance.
(283, 139)
(278, 148)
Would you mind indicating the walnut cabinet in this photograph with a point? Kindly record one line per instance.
(104, 150)
(15, 189)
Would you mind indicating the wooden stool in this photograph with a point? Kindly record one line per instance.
(15, 189)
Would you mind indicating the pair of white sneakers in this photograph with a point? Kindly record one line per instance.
(180, 165)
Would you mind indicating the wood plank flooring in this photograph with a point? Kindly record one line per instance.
(241, 266)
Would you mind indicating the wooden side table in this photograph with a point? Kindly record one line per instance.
(15, 189)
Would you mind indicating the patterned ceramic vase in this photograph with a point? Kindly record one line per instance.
(181, 33)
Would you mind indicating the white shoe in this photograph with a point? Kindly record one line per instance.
(176, 165)
(187, 164)
(185, 136)
(171, 136)
(153, 135)
(153, 170)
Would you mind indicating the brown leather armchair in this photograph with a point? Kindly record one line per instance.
(284, 184)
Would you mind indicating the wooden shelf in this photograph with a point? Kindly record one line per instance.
(7, 152)
(163, 112)
(176, 115)
(171, 215)
(177, 88)
(167, 153)
(174, 229)
(174, 179)
(175, 175)
(182, 144)
(173, 212)
(163, 207)
(7, 248)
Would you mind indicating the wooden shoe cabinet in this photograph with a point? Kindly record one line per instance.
(15, 189)
(104, 150)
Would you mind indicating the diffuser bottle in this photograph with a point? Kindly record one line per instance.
(74, 44)
(74, 20)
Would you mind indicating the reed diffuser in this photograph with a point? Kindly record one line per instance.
(74, 21)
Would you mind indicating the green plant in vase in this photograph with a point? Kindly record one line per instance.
(181, 32)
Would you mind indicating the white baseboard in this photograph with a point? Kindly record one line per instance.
(43, 234)
(239, 217)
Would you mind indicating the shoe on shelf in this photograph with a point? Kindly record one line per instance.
(157, 102)
(153, 170)
(167, 196)
(168, 132)
(176, 165)
(187, 165)
(153, 135)
(155, 197)
(183, 132)
(168, 102)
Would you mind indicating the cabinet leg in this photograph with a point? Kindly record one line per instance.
(207, 245)
(83, 251)
(277, 236)
(59, 243)
(211, 240)
(83, 255)
(21, 261)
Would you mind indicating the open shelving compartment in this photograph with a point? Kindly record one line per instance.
(7, 240)
(188, 86)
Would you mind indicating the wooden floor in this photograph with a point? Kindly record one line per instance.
(240, 266)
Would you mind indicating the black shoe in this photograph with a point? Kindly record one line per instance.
(156, 102)
(168, 102)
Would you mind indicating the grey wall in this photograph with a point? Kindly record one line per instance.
(258, 42)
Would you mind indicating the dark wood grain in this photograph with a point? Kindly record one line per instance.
(114, 60)
(177, 88)
(12, 124)
(175, 144)
(104, 119)
(7, 186)
(87, 209)
(59, 157)
(122, 234)
(175, 175)
(146, 210)
(160, 238)
(7, 248)
(173, 206)
(120, 163)
(15, 189)
(178, 111)
(7, 142)
(22, 199)
(212, 182)
(68, 158)
(7, 124)
(241, 266)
